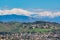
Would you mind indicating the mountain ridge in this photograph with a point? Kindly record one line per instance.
(18, 18)
(23, 18)
(15, 26)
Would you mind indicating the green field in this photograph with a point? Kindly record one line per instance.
(39, 30)
(34, 30)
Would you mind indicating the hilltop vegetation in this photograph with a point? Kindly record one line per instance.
(38, 26)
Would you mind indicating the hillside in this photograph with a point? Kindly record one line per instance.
(38, 26)
(9, 26)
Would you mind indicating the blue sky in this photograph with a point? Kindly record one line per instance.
(43, 4)
(48, 7)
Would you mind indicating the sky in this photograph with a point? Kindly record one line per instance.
(27, 4)
(33, 8)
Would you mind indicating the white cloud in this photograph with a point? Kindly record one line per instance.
(47, 14)
(51, 14)
(37, 13)
(15, 11)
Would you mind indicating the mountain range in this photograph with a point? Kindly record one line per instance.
(18, 18)
(23, 18)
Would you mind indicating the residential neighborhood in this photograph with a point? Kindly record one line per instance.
(30, 36)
